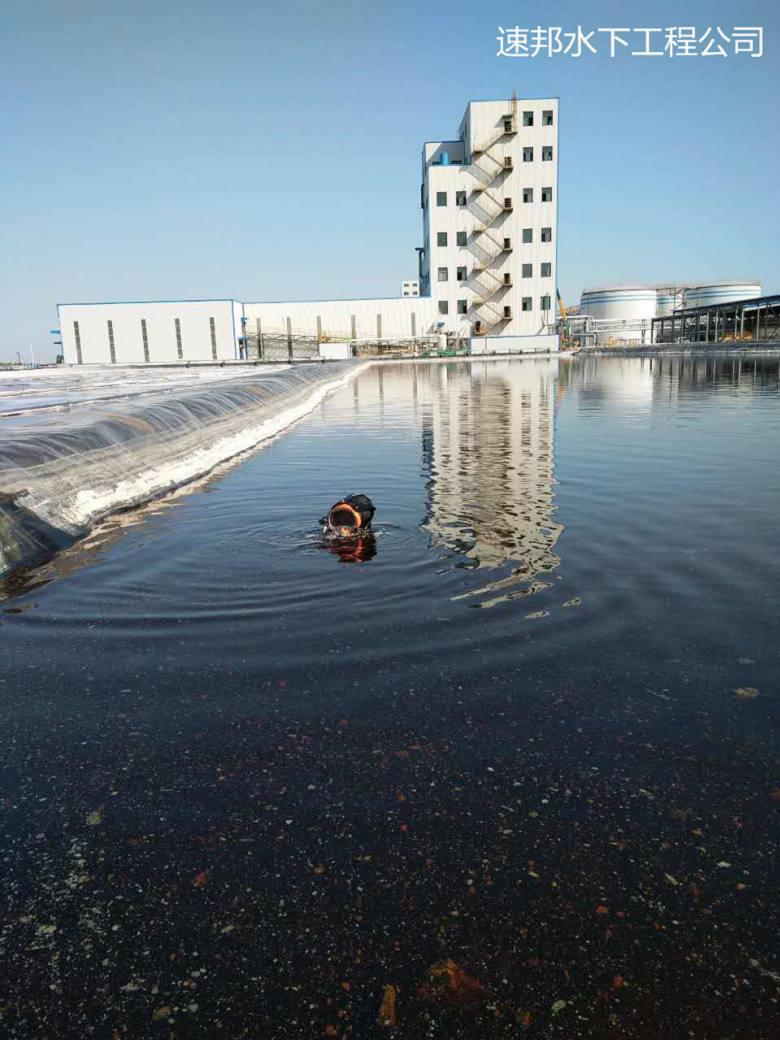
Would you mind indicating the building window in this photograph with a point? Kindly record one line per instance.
(507, 243)
(507, 312)
(111, 347)
(77, 336)
(145, 339)
(545, 303)
(528, 119)
(546, 271)
(460, 198)
(547, 153)
(546, 234)
(528, 155)
(462, 238)
(526, 306)
(441, 198)
(179, 348)
(528, 270)
(444, 274)
(213, 330)
(528, 235)
(444, 307)
(528, 194)
(441, 238)
(507, 278)
(463, 306)
(508, 124)
(462, 274)
(546, 194)
(547, 117)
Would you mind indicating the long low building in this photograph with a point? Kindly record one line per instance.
(166, 332)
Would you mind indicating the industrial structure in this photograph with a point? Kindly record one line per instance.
(487, 275)
(626, 313)
(489, 201)
(743, 321)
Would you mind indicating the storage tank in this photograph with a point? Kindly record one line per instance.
(625, 302)
(669, 299)
(720, 292)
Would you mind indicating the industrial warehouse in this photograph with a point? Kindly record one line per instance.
(486, 280)
(486, 275)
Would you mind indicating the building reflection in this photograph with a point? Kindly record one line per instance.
(735, 374)
(488, 434)
(625, 384)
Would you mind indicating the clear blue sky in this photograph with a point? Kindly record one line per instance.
(203, 149)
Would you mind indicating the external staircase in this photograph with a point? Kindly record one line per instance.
(488, 167)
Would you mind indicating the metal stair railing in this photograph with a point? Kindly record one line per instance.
(490, 177)
(499, 133)
(496, 309)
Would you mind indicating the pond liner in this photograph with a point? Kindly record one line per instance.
(62, 473)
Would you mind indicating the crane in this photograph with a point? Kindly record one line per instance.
(567, 342)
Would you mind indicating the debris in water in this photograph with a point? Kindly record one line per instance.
(746, 693)
(450, 984)
(387, 1009)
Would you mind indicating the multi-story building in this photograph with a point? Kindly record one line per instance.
(490, 201)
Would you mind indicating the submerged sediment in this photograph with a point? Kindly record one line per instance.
(65, 465)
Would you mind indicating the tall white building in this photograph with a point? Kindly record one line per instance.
(490, 203)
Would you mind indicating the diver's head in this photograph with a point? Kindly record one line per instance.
(344, 520)
(349, 517)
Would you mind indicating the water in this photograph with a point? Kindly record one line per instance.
(248, 785)
(78, 447)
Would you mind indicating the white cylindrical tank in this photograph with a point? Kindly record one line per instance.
(720, 292)
(625, 302)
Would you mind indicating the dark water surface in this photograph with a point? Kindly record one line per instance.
(514, 775)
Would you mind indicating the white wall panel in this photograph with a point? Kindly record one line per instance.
(160, 317)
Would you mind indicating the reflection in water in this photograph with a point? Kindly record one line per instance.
(359, 549)
(90, 549)
(641, 383)
(732, 374)
(246, 788)
(488, 453)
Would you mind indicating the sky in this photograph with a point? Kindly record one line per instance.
(271, 151)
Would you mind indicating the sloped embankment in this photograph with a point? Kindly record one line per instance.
(64, 468)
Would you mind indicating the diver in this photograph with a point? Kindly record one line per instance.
(347, 529)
